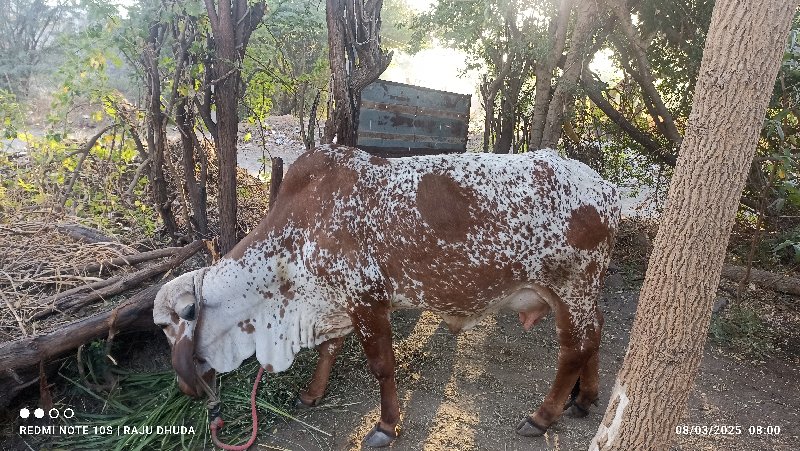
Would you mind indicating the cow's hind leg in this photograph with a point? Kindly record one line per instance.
(373, 329)
(578, 344)
(319, 382)
(588, 382)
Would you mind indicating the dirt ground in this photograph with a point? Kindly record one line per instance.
(467, 392)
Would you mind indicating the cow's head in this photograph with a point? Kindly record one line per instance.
(176, 311)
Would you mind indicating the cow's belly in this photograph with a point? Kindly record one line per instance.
(532, 302)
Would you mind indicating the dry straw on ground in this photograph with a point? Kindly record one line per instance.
(39, 259)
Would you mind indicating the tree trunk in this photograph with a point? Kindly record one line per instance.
(740, 61)
(231, 24)
(508, 112)
(544, 74)
(156, 129)
(196, 191)
(769, 280)
(564, 92)
(356, 60)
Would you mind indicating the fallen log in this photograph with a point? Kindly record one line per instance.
(85, 234)
(16, 357)
(764, 279)
(115, 285)
(127, 260)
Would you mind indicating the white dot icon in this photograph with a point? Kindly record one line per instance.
(24, 412)
(38, 413)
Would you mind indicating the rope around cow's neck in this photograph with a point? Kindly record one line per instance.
(214, 414)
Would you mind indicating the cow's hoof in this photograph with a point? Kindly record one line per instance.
(300, 404)
(574, 410)
(379, 437)
(528, 428)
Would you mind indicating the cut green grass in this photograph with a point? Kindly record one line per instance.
(150, 400)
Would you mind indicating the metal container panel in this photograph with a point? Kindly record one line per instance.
(397, 119)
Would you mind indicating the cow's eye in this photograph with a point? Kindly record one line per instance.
(187, 312)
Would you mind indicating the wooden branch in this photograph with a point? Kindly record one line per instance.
(127, 260)
(30, 351)
(643, 74)
(84, 234)
(140, 170)
(764, 279)
(276, 177)
(592, 90)
(116, 285)
(84, 151)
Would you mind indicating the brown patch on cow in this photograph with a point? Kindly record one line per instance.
(246, 327)
(282, 312)
(286, 290)
(586, 229)
(591, 270)
(445, 206)
(174, 317)
(543, 172)
(378, 161)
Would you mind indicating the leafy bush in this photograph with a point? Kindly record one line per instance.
(743, 331)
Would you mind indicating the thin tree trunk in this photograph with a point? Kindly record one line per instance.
(564, 93)
(508, 112)
(231, 24)
(740, 61)
(184, 119)
(544, 74)
(156, 130)
(643, 74)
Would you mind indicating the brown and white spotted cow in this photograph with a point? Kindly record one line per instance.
(353, 237)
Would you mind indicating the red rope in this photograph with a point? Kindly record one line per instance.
(217, 422)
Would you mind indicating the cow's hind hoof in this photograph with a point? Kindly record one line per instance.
(574, 410)
(379, 437)
(528, 428)
(300, 404)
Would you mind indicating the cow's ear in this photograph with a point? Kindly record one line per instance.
(188, 312)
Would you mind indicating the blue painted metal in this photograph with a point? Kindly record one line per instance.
(397, 120)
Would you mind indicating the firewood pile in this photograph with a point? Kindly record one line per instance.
(63, 284)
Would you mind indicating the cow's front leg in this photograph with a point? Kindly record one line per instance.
(316, 389)
(373, 329)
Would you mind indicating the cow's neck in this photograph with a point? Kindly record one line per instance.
(257, 305)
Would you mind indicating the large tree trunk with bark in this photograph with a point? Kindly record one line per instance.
(740, 61)
(356, 60)
(232, 22)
